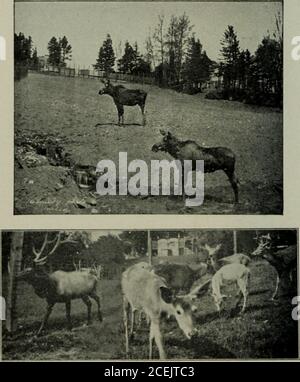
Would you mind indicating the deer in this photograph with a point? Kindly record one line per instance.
(124, 97)
(214, 263)
(229, 273)
(60, 286)
(143, 290)
(215, 158)
(284, 261)
(180, 277)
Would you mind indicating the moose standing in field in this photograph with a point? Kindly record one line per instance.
(215, 158)
(125, 97)
(60, 286)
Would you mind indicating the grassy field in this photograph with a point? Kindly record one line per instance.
(265, 330)
(70, 108)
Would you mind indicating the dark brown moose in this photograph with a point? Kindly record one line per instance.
(215, 158)
(125, 97)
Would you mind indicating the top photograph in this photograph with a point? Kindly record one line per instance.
(148, 108)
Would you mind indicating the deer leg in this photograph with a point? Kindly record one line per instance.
(133, 317)
(97, 299)
(234, 183)
(155, 333)
(68, 314)
(276, 287)
(88, 304)
(125, 319)
(46, 317)
(243, 285)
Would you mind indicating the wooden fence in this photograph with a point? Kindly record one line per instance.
(94, 74)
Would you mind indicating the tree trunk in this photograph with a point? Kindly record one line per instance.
(234, 242)
(15, 262)
(149, 247)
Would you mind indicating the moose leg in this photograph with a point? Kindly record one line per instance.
(88, 304)
(97, 299)
(120, 114)
(234, 183)
(45, 320)
(142, 106)
(68, 314)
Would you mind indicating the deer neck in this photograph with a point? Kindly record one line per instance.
(42, 284)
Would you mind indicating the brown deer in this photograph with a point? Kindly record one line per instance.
(180, 277)
(60, 286)
(283, 261)
(125, 97)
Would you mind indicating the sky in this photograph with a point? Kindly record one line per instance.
(87, 24)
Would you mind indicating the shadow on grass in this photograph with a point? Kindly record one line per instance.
(117, 125)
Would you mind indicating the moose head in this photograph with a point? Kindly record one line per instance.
(168, 142)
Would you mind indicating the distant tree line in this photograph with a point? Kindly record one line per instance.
(25, 56)
(257, 78)
(176, 59)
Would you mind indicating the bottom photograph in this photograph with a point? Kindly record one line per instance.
(140, 295)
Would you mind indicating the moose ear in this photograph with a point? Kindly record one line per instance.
(166, 294)
(169, 134)
(162, 132)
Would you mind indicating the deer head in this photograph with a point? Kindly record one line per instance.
(264, 243)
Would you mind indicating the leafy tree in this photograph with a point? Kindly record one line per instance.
(177, 38)
(106, 57)
(135, 239)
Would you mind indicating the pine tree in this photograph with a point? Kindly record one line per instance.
(34, 60)
(128, 61)
(198, 66)
(54, 50)
(65, 51)
(230, 53)
(106, 57)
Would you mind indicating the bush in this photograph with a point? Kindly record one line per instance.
(214, 94)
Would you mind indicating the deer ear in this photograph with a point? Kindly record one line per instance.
(166, 294)
(162, 132)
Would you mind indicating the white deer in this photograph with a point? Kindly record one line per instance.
(144, 290)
